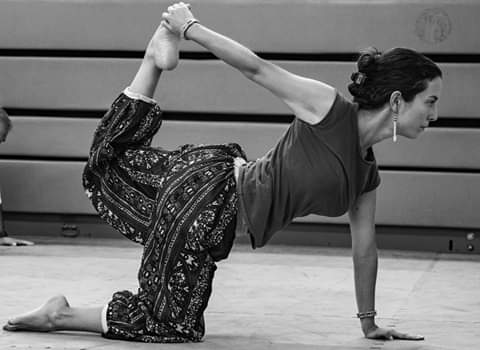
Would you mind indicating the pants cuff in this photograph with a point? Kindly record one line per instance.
(104, 319)
(137, 96)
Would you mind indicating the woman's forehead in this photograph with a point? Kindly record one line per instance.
(434, 88)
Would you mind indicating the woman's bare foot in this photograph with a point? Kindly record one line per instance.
(163, 48)
(43, 319)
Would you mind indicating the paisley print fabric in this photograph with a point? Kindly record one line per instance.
(181, 205)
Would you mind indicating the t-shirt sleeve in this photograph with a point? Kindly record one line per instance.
(339, 108)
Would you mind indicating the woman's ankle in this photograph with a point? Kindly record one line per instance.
(149, 62)
(59, 319)
(149, 57)
(146, 79)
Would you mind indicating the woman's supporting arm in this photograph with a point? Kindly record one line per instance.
(364, 250)
(365, 258)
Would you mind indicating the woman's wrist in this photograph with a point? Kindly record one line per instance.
(187, 26)
(368, 324)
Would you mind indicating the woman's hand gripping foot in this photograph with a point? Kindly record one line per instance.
(179, 18)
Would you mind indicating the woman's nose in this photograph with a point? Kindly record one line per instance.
(433, 116)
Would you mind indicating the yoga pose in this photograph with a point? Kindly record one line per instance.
(184, 205)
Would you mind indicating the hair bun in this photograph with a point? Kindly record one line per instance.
(368, 59)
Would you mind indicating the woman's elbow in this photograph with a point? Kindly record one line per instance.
(257, 70)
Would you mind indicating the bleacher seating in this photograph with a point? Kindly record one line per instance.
(62, 63)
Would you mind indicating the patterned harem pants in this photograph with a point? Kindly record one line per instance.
(180, 205)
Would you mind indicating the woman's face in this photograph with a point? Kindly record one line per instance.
(415, 115)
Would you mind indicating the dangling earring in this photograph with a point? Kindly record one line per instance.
(395, 119)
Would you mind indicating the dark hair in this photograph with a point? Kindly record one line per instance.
(405, 70)
(5, 119)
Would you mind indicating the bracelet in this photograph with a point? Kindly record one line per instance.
(186, 26)
(367, 314)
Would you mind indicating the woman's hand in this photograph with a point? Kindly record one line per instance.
(390, 334)
(178, 14)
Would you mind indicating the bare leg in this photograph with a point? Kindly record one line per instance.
(161, 54)
(56, 315)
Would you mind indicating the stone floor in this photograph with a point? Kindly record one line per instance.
(273, 298)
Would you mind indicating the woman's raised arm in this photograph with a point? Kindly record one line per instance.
(309, 99)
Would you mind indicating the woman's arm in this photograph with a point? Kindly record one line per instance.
(365, 258)
(309, 99)
(364, 250)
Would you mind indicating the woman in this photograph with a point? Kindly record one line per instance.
(183, 205)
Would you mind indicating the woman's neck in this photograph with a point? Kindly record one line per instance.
(374, 126)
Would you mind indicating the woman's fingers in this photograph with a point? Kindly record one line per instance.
(174, 7)
(167, 25)
(390, 334)
(405, 336)
(166, 16)
(176, 16)
(178, 6)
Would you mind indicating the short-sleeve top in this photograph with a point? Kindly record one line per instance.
(313, 169)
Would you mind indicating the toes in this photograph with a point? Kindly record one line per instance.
(11, 327)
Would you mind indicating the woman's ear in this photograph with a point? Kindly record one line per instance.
(395, 101)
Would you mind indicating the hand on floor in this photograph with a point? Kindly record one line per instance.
(390, 334)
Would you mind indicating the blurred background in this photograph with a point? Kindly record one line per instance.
(63, 62)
